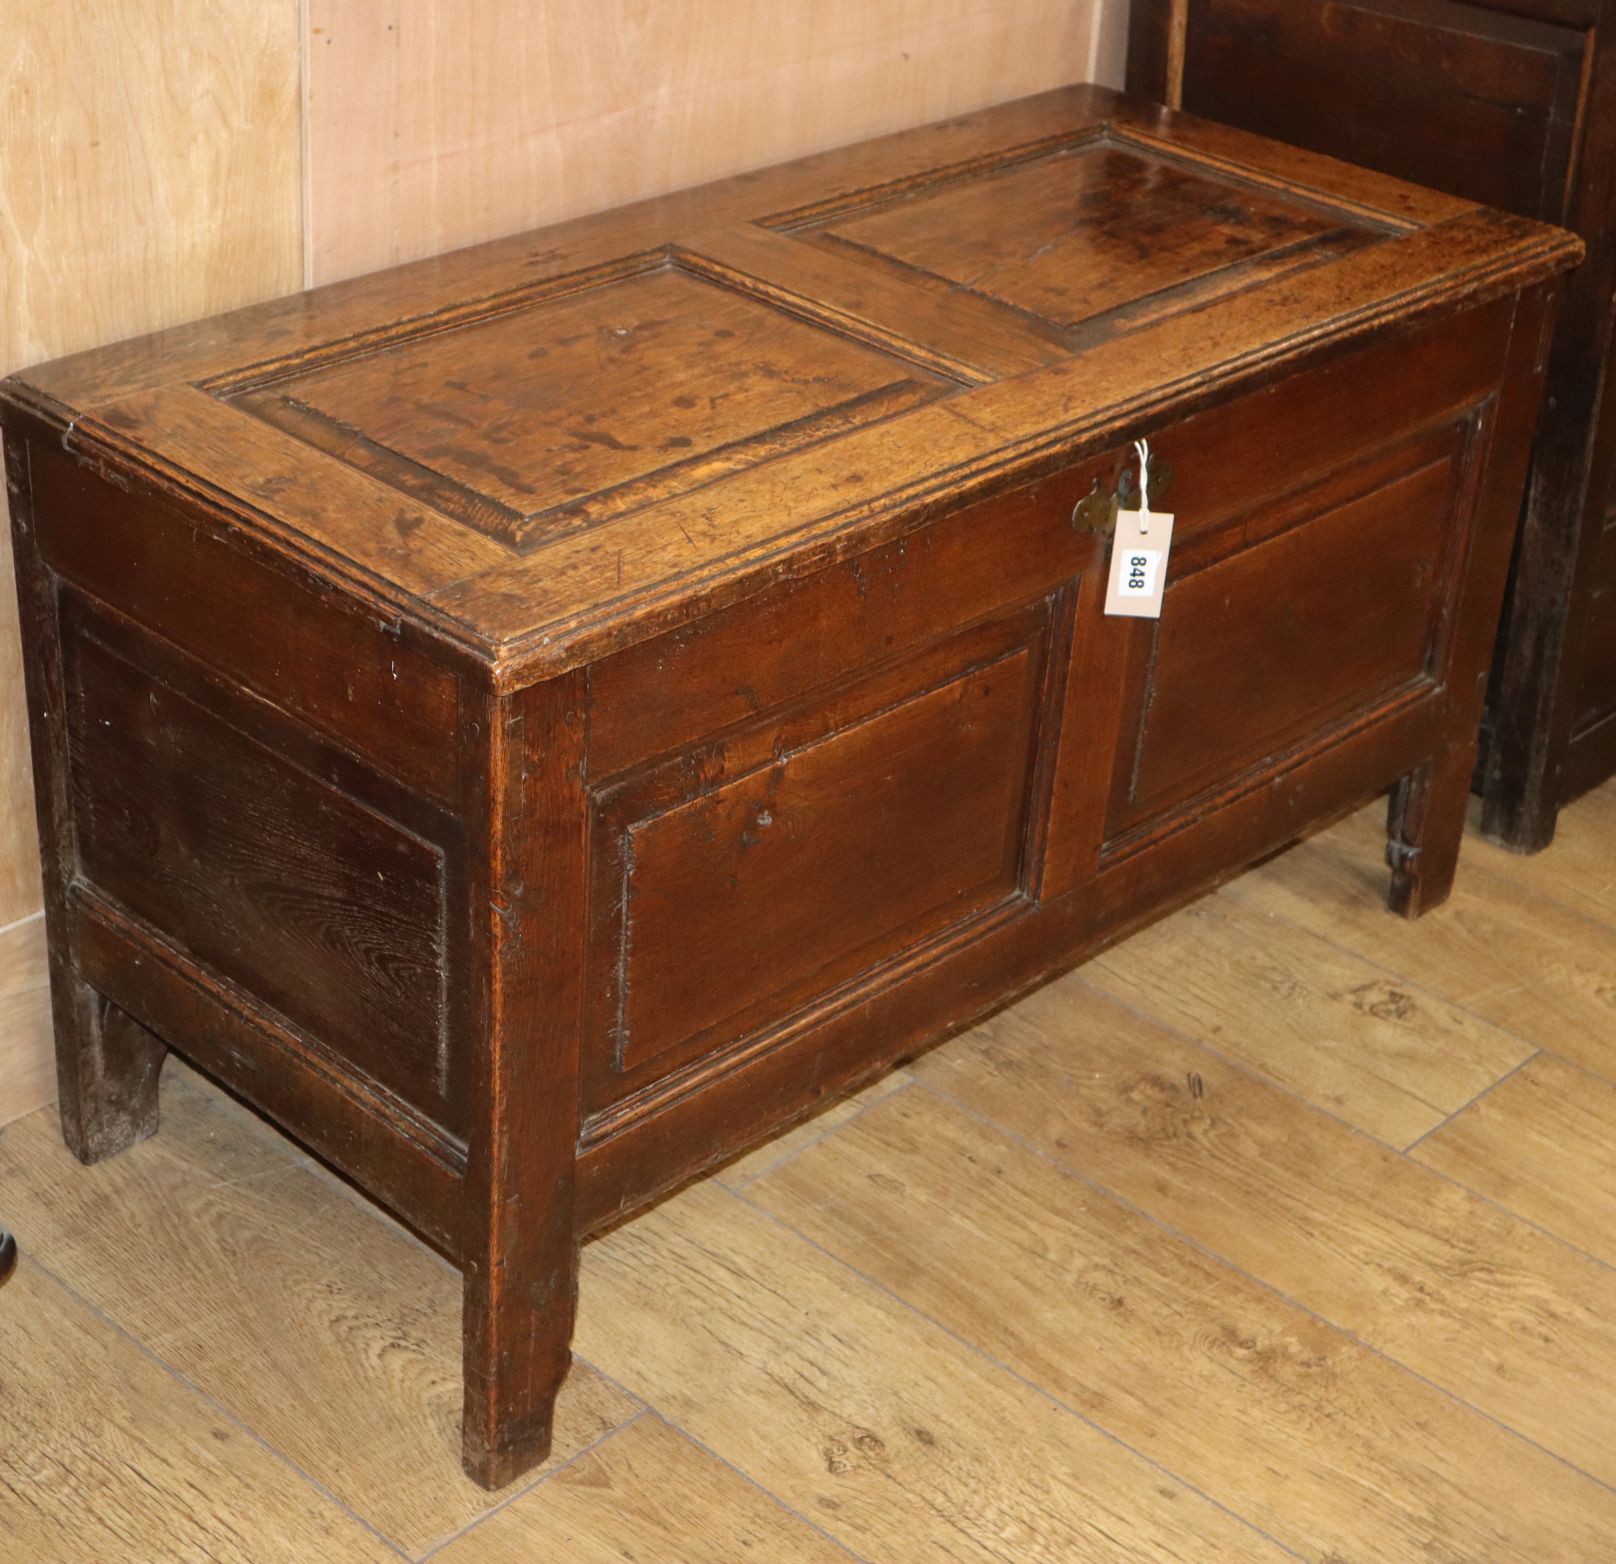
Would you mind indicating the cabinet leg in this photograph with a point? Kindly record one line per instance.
(8, 1256)
(107, 1066)
(518, 1348)
(1424, 828)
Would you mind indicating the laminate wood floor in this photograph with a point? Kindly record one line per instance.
(1283, 1230)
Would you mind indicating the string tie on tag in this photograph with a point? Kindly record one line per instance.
(1143, 448)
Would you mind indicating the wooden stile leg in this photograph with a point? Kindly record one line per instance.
(1427, 818)
(521, 1249)
(1424, 828)
(107, 1068)
(107, 1064)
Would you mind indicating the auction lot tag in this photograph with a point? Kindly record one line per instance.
(1139, 551)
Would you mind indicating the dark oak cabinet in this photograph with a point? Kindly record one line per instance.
(1511, 103)
(538, 720)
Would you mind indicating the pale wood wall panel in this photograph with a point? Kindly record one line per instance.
(1109, 62)
(436, 123)
(27, 1070)
(150, 172)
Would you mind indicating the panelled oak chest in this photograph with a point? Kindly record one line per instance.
(537, 720)
(1512, 103)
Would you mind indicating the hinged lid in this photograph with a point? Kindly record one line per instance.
(551, 445)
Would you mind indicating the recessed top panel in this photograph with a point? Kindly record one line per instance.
(1082, 233)
(579, 408)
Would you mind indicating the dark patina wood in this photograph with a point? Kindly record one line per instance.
(538, 720)
(1512, 103)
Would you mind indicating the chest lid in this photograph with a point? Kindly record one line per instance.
(551, 445)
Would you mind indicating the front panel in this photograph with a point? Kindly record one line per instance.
(1268, 643)
(820, 790)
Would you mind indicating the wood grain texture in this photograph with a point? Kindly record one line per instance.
(1557, 987)
(1469, 1297)
(1177, 1355)
(782, 1148)
(1543, 1143)
(142, 1466)
(434, 125)
(306, 1315)
(646, 1493)
(1345, 1034)
(1582, 874)
(150, 175)
(1510, 102)
(27, 1063)
(900, 1441)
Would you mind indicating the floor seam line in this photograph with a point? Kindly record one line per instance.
(1358, 955)
(787, 1158)
(1251, 1276)
(529, 1487)
(228, 1413)
(1463, 1108)
(1013, 1373)
(752, 1482)
(1252, 1073)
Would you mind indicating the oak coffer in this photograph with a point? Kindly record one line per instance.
(537, 720)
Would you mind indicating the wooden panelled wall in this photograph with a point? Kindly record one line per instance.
(168, 160)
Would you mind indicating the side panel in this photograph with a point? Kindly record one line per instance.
(266, 874)
(252, 845)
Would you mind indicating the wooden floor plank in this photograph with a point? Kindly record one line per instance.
(782, 1148)
(1179, 1356)
(1578, 869)
(1525, 963)
(1485, 1306)
(1318, 1019)
(1544, 1144)
(646, 1493)
(27, 1061)
(312, 1318)
(105, 1457)
(898, 1440)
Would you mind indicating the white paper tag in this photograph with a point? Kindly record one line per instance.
(1139, 551)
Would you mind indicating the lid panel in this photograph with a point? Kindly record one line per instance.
(1084, 232)
(583, 407)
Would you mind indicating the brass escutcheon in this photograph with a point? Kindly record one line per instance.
(1097, 510)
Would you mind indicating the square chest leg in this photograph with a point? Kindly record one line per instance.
(520, 1236)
